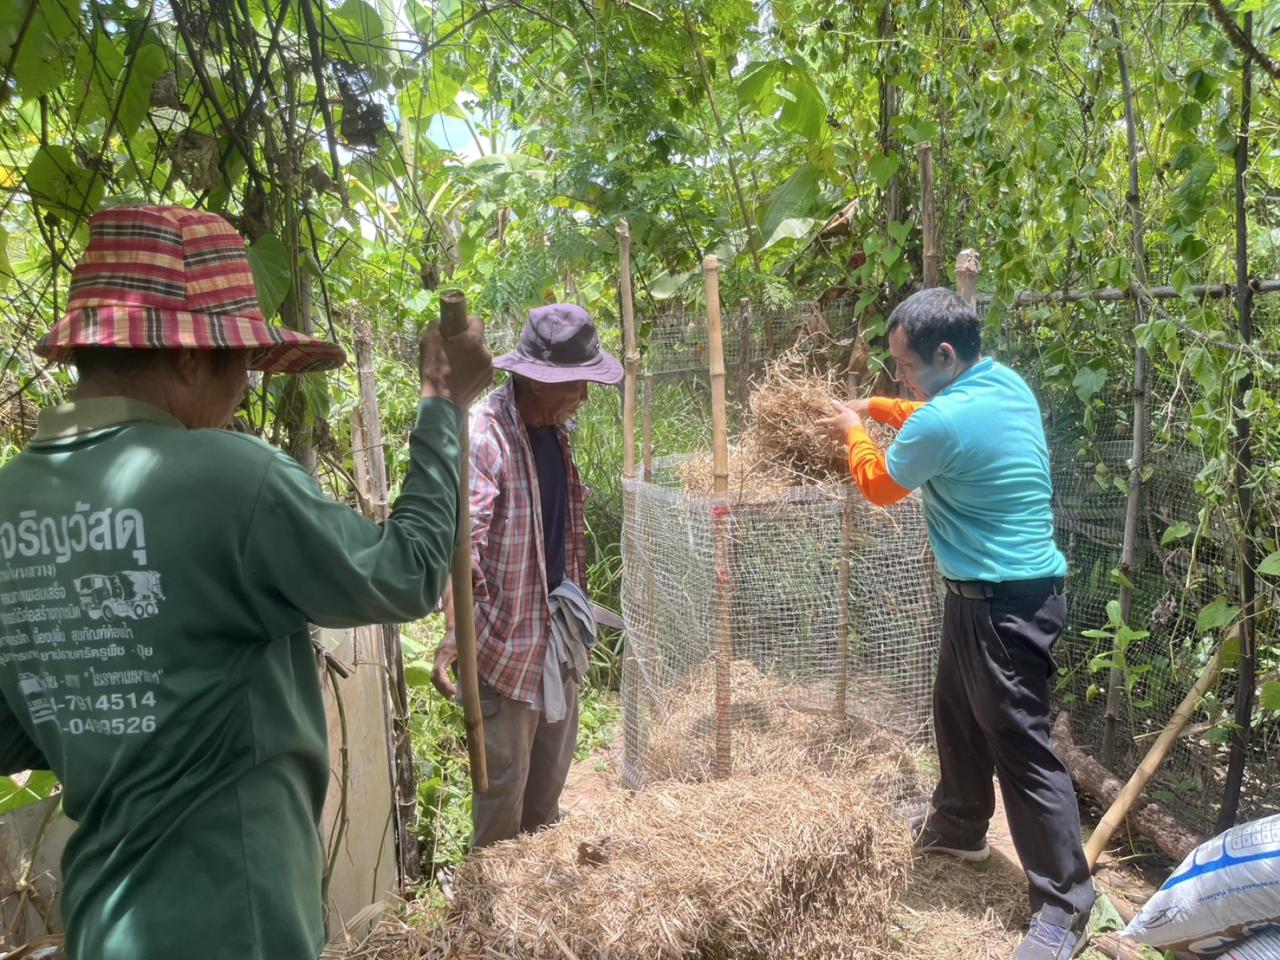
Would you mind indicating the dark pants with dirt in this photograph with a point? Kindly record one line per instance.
(991, 715)
(528, 761)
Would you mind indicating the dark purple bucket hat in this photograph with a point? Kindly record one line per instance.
(559, 345)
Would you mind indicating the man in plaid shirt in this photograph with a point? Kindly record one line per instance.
(533, 621)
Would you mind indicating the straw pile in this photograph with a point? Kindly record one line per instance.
(775, 729)
(781, 446)
(752, 477)
(754, 867)
(784, 408)
(801, 855)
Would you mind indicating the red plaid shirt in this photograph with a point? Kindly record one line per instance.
(508, 558)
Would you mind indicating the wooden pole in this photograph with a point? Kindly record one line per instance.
(968, 266)
(647, 427)
(1147, 817)
(930, 245)
(1243, 450)
(842, 608)
(744, 360)
(1115, 815)
(632, 743)
(719, 521)
(371, 462)
(1129, 545)
(453, 320)
(631, 353)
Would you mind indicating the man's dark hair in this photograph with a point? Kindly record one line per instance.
(125, 362)
(935, 316)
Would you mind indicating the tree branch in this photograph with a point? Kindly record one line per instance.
(747, 220)
(1242, 43)
(206, 87)
(317, 71)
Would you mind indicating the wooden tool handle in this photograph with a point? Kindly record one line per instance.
(453, 321)
(453, 313)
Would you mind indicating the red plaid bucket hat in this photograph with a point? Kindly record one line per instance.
(170, 277)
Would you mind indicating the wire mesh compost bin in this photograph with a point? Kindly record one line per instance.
(810, 600)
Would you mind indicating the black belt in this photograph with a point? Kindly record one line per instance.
(1008, 590)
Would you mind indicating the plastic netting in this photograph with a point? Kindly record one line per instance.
(751, 593)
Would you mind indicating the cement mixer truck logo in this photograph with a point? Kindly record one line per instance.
(127, 595)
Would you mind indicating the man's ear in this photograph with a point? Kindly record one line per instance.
(946, 355)
(187, 364)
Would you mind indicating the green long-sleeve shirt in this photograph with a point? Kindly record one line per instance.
(155, 589)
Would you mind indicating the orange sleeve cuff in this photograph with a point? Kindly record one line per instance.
(866, 464)
(892, 411)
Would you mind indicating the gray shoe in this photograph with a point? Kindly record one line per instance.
(1048, 941)
(926, 839)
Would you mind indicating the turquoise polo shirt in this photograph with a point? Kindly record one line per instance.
(978, 453)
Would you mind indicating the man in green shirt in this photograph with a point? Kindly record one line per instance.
(157, 578)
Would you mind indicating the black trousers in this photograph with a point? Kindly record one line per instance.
(991, 715)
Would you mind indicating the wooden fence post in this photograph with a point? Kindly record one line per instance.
(719, 522)
(929, 233)
(744, 361)
(375, 470)
(1243, 449)
(968, 266)
(631, 353)
(1129, 545)
(646, 442)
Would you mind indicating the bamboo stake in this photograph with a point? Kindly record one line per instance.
(632, 745)
(968, 266)
(370, 461)
(744, 360)
(842, 609)
(1115, 815)
(631, 353)
(646, 417)
(719, 521)
(1129, 547)
(1243, 450)
(930, 238)
(715, 353)
(453, 320)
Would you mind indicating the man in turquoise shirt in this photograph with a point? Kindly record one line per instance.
(973, 443)
(157, 576)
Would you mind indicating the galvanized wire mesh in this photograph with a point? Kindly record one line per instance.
(782, 571)
(1174, 578)
(675, 340)
(785, 638)
(1173, 582)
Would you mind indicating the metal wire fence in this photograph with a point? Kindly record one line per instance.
(780, 562)
(751, 593)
